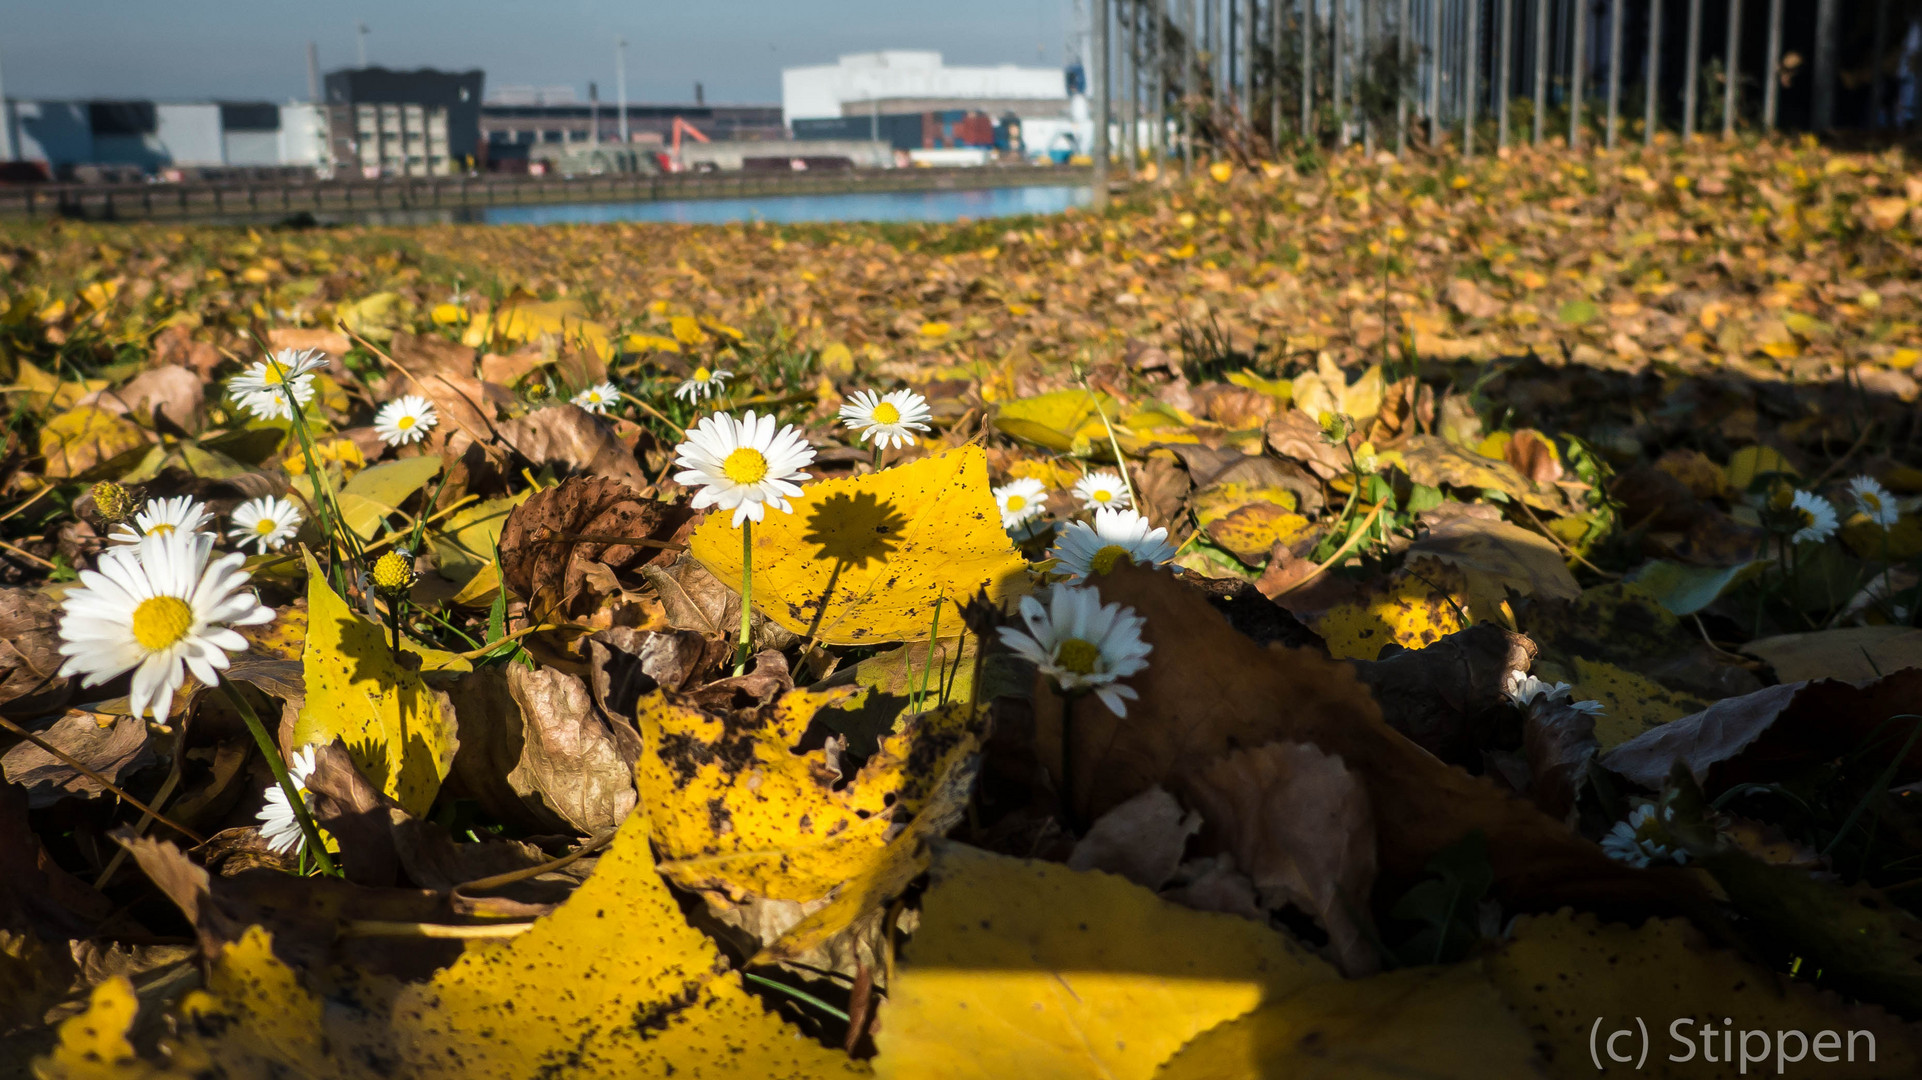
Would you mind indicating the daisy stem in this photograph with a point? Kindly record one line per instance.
(747, 597)
(295, 801)
(878, 453)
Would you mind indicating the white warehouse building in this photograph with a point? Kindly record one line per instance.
(910, 81)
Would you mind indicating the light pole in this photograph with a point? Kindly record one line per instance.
(620, 84)
(1098, 90)
(360, 42)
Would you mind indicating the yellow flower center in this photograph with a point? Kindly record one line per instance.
(1872, 502)
(1102, 495)
(745, 466)
(161, 528)
(886, 413)
(265, 526)
(702, 374)
(160, 621)
(1105, 559)
(393, 571)
(1016, 502)
(404, 422)
(275, 375)
(1077, 656)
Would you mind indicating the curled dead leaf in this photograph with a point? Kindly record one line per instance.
(550, 543)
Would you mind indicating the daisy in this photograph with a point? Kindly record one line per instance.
(1020, 501)
(1636, 841)
(405, 420)
(270, 388)
(742, 465)
(1116, 535)
(1523, 690)
(888, 418)
(161, 517)
(1815, 516)
(267, 523)
(703, 384)
(1100, 489)
(278, 825)
(1875, 501)
(155, 609)
(1081, 644)
(598, 398)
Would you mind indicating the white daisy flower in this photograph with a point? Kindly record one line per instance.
(742, 465)
(598, 398)
(267, 523)
(1524, 690)
(1875, 501)
(405, 419)
(278, 825)
(1081, 644)
(703, 384)
(162, 516)
(1100, 489)
(1020, 501)
(1817, 518)
(1117, 535)
(1636, 841)
(268, 388)
(155, 609)
(888, 418)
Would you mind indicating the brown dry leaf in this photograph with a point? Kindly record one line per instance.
(1467, 297)
(1427, 1023)
(1297, 436)
(1559, 742)
(570, 440)
(355, 814)
(1141, 839)
(1029, 969)
(168, 394)
(1534, 456)
(534, 751)
(1447, 696)
(1208, 689)
(1432, 460)
(1561, 972)
(1757, 736)
(332, 342)
(30, 679)
(1299, 825)
(1849, 653)
(694, 599)
(549, 570)
(1495, 558)
(113, 746)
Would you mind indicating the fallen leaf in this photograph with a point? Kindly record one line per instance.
(1409, 611)
(30, 660)
(1497, 558)
(1851, 654)
(1448, 696)
(1141, 839)
(572, 441)
(88, 443)
(1433, 461)
(864, 559)
(1430, 1023)
(549, 542)
(394, 726)
(1062, 420)
(114, 749)
(1042, 971)
(535, 752)
(1299, 825)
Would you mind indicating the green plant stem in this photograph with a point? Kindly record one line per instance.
(747, 598)
(1121, 462)
(281, 776)
(878, 453)
(934, 638)
(797, 994)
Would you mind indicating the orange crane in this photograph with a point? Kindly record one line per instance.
(671, 162)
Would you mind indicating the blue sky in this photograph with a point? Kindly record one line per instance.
(256, 49)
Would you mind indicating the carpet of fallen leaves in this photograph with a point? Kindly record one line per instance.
(1508, 679)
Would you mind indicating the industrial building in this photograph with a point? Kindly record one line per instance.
(382, 122)
(931, 112)
(93, 139)
(514, 125)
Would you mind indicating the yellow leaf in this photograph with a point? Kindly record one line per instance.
(527, 320)
(647, 343)
(1561, 972)
(394, 727)
(465, 542)
(1407, 611)
(863, 559)
(39, 390)
(369, 497)
(1283, 389)
(1632, 703)
(935, 329)
(374, 317)
(1433, 1023)
(1057, 420)
(1752, 461)
(735, 808)
(449, 314)
(480, 589)
(1029, 969)
(1251, 531)
(614, 983)
(1221, 171)
(687, 329)
(86, 443)
(1432, 460)
(94, 1045)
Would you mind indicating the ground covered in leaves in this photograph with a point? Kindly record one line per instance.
(1532, 640)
